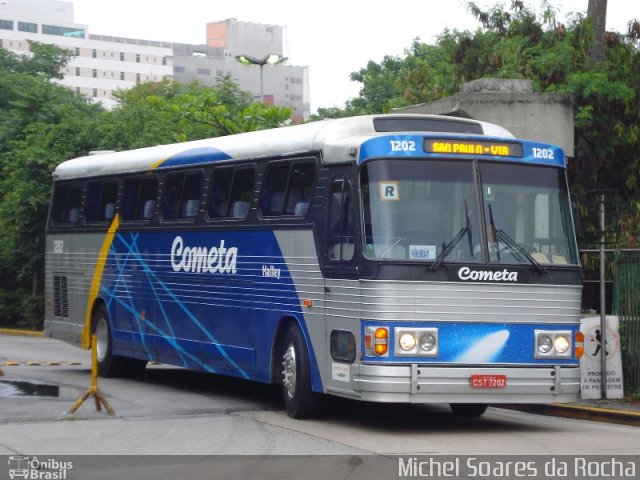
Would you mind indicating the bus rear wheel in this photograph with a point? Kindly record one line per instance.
(468, 410)
(110, 365)
(299, 400)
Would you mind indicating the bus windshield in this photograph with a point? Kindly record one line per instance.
(527, 206)
(426, 210)
(413, 209)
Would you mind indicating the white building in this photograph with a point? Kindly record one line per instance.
(101, 65)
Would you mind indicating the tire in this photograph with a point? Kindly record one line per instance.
(299, 400)
(468, 410)
(109, 365)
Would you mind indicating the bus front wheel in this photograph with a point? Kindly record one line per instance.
(299, 400)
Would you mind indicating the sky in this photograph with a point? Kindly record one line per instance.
(331, 37)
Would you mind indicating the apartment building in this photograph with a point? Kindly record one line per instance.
(102, 64)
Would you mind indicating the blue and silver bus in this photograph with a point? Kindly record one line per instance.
(384, 258)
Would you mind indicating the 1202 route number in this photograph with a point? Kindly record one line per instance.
(403, 146)
(546, 153)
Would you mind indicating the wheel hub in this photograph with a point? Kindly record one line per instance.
(289, 370)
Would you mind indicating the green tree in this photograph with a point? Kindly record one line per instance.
(167, 112)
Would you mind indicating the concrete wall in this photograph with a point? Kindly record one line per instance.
(545, 117)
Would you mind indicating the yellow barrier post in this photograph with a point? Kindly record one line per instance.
(93, 390)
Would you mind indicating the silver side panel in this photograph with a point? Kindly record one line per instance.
(299, 251)
(71, 257)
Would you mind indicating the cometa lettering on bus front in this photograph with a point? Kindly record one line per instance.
(465, 273)
(202, 259)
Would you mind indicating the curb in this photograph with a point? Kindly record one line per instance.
(24, 333)
(581, 412)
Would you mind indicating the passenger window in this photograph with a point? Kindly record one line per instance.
(181, 198)
(231, 193)
(341, 241)
(139, 199)
(66, 204)
(101, 202)
(288, 189)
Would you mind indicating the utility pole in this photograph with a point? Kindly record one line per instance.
(603, 314)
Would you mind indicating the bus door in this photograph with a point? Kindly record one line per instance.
(341, 286)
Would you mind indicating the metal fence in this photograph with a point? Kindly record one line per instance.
(626, 304)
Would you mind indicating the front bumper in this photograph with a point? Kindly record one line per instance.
(446, 384)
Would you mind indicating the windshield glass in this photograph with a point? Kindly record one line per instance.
(413, 209)
(528, 206)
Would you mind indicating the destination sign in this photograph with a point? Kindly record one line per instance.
(473, 147)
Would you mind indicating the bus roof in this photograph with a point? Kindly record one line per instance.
(337, 140)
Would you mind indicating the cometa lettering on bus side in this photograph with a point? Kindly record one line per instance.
(202, 259)
(465, 273)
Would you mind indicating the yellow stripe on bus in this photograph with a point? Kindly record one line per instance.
(97, 279)
(158, 163)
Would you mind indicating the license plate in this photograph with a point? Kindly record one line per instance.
(488, 381)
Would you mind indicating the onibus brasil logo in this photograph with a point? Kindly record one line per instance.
(21, 466)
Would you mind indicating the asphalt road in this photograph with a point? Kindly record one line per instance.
(170, 411)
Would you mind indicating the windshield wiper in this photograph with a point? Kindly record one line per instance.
(498, 235)
(452, 244)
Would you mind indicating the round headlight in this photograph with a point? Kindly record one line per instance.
(427, 342)
(407, 342)
(561, 344)
(544, 344)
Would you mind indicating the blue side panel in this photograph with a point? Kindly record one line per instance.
(411, 146)
(195, 156)
(201, 300)
(479, 343)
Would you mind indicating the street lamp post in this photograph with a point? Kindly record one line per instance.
(270, 59)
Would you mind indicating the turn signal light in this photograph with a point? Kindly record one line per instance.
(381, 341)
(579, 344)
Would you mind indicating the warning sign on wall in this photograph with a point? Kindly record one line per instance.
(596, 345)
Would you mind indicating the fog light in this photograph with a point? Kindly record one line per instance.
(561, 344)
(427, 342)
(579, 344)
(407, 342)
(381, 337)
(544, 344)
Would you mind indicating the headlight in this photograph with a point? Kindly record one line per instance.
(561, 344)
(416, 341)
(553, 344)
(407, 342)
(427, 342)
(544, 344)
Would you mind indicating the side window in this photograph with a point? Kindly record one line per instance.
(101, 201)
(288, 189)
(341, 241)
(139, 198)
(181, 197)
(66, 204)
(231, 193)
